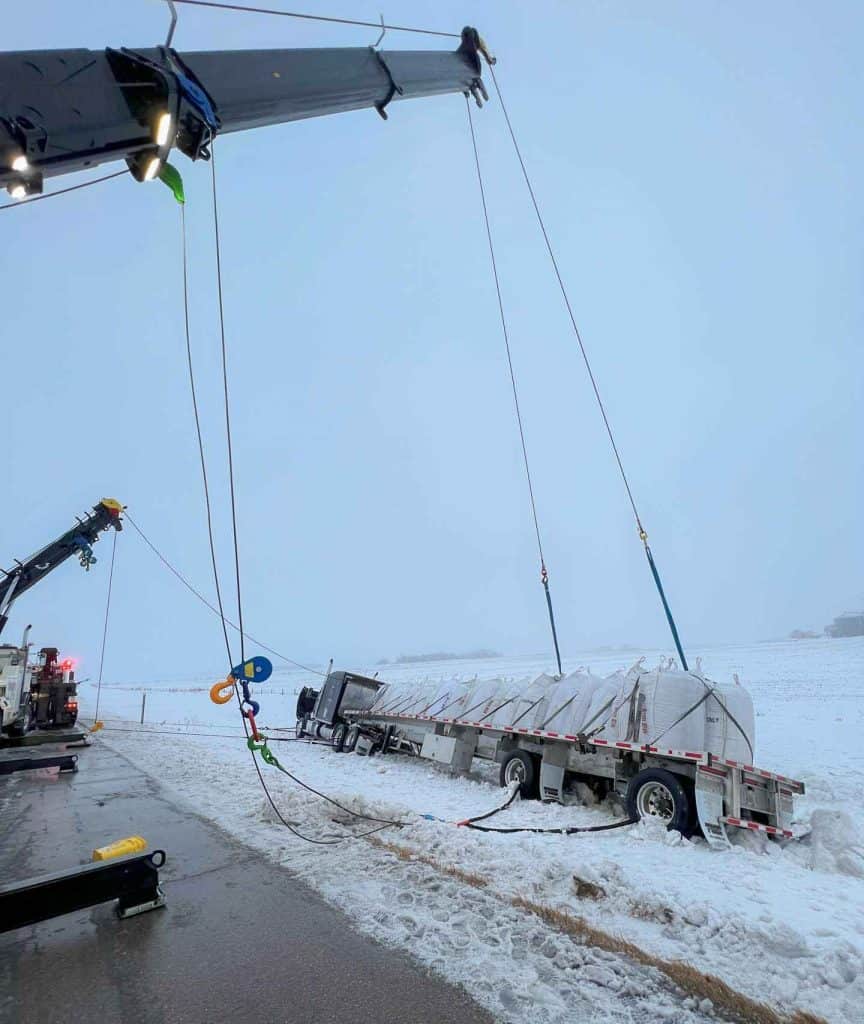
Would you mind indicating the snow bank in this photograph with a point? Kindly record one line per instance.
(784, 924)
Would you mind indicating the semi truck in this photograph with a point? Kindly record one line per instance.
(671, 746)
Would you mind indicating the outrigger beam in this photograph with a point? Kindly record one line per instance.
(69, 110)
(133, 882)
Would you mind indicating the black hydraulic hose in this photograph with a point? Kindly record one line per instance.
(571, 831)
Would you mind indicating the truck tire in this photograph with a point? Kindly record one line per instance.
(387, 739)
(657, 794)
(337, 737)
(351, 738)
(300, 732)
(522, 767)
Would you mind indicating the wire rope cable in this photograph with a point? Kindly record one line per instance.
(228, 438)
(209, 517)
(203, 461)
(318, 17)
(643, 536)
(62, 191)
(544, 576)
(566, 298)
(197, 593)
(232, 496)
(105, 625)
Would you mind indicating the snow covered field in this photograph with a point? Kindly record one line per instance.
(783, 925)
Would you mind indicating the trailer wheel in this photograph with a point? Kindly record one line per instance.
(657, 794)
(337, 737)
(351, 739)
(521, 767)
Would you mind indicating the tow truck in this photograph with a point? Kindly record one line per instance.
(53, 694)
(45, 694)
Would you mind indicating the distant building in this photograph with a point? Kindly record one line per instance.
(848, 624)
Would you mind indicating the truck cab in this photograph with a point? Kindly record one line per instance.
(320, 712)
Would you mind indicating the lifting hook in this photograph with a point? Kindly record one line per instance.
(221, 693)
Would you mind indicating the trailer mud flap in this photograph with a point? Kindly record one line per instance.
(710, 790)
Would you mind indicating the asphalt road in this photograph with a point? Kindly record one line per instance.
(240, 939)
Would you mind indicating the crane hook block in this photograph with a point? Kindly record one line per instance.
(221, 693)
(253, 670)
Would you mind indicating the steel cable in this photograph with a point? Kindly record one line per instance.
(105, 625)
(544, 576)
(176, 572)
(643, 536)
(318, 17)
(244, 719)
(62, 191)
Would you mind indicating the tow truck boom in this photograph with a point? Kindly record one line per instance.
(69, 110)
(78, 540)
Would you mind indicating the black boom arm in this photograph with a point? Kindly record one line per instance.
(78, 541)
(69, 110)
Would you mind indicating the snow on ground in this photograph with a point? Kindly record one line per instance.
(783, 924)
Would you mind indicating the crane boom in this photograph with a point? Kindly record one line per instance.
(69, 110)
(77, 540)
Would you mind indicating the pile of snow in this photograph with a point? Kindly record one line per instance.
(782, 923)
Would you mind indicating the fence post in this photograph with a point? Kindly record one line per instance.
(143, 702)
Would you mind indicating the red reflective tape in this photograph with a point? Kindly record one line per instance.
(537, 732)
(568, 737)
(753, 825)
(555, 734)
(734, 821)
(689, 753)
(520, 729)
(620, 744)
(601, 743)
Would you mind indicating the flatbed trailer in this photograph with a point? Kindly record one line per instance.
(690, 790)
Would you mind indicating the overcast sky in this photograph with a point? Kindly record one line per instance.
(699, 166)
